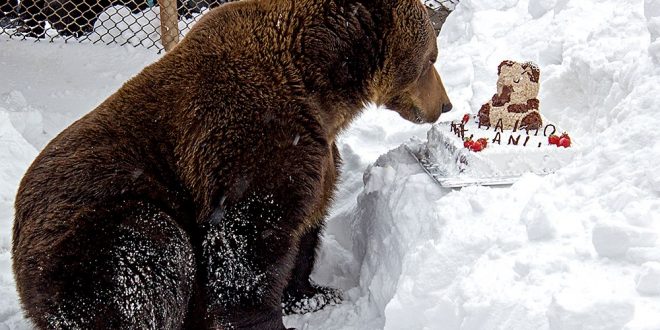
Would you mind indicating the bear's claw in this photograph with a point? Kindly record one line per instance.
(311, 299)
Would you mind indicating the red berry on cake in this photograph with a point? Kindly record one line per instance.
(564, 142)
(565, 135)
(466, 118)
(477, 146)
(468, 143)
(553, 139)
(483, 141)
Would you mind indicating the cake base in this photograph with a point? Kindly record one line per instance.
(509, 154)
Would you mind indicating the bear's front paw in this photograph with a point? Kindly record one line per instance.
(309, 299)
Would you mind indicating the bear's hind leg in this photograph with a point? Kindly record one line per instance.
(132, 268)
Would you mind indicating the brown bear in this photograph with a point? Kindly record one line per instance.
(195, 195)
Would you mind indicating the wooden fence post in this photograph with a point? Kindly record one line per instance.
(169, 24)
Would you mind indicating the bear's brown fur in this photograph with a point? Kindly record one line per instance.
(194, 196)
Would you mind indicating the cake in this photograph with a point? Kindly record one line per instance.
(509, 153)
(516, 104)
(507, 138)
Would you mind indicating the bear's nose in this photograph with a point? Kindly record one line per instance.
(446, 107)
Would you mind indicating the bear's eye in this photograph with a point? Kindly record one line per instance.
(433, 57)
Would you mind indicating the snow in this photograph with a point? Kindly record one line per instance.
(577, 249)
(648, 279)
(43, 88)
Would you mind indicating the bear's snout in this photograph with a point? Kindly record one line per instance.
(447, 107)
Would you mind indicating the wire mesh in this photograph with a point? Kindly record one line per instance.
(133, 22)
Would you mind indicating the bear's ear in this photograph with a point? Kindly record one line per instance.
(341, 52)
(503, 64)
(534, 71)
(380, 11)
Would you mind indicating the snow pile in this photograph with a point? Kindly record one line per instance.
(575, 250)
(43, 88)
(15, 155)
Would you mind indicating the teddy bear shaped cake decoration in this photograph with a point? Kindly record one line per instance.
(515, 106)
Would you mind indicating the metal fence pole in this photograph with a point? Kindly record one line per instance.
(169, 24)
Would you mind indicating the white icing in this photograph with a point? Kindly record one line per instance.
(496, 160)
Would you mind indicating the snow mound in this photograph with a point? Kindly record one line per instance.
(578, 249)
(15, 155)
(43, 88)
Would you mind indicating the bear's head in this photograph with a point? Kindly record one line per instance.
(380, 51)
(336, 54)
(521, 78)
(407, 81)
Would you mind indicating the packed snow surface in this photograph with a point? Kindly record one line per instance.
(578, 249)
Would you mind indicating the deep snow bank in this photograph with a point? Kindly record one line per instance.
(15, 154)
(43, 88)
(575, 250)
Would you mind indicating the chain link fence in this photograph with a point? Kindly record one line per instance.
(154, 24)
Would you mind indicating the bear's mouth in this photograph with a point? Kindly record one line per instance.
(418, 118)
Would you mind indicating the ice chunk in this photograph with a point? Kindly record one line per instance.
(613, 240)
(538, 8)
(569, 311)
(648, 279)
(539, 225)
